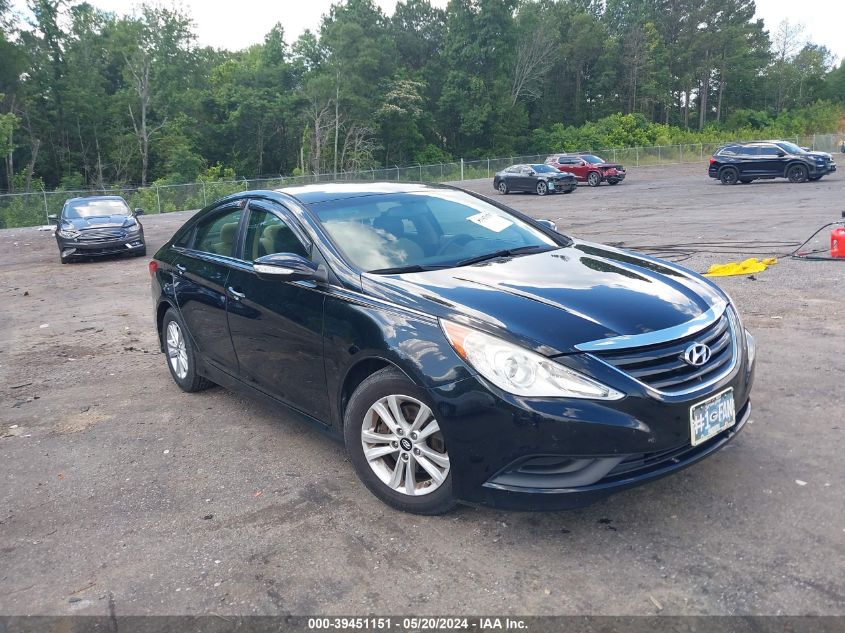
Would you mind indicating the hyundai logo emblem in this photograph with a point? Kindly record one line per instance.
(697, 354)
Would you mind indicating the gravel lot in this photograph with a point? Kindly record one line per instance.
(117, 488)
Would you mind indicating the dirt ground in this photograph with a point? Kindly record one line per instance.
(118, 489)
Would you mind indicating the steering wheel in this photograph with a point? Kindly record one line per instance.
(462, 239)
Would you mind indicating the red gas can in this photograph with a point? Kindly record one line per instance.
(837, 242)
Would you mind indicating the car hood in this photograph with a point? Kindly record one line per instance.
(555, 300)
(100, 221)
(609, 166)
(824, 155)
(561, 175)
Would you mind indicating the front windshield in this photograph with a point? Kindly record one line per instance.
(95, 209)
(421, 230)
(792, 148)
(595, 160)
(544, 169)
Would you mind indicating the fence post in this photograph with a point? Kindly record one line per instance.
(462, 170)
(659, 158)
(637, 148)
(204, 199)
(701, 150)
(814, 142)
(488, 167)
(397, 173)
(46, 210)
(158, 199)
(420, 172)
(681, 154)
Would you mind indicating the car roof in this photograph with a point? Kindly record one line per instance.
(324, 192)
(89, 198)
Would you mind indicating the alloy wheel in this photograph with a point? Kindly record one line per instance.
(177, 353)
(797, 173)
(404, 446)
(503, 187)
(594, 180)
(542, 188)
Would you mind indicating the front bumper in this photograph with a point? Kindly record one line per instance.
(600, 447)
(563, 186)
(98, 248)
(615, 177)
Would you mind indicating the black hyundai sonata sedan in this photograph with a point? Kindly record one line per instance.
(463, 351)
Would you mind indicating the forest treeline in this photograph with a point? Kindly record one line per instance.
(90, 99)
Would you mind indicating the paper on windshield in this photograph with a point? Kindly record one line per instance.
(491, 222)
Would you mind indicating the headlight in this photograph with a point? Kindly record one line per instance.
(519, 371)
(133, 228)
(69, 233)
(751, 346)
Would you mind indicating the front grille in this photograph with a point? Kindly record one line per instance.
(101, 235)
(663, 367)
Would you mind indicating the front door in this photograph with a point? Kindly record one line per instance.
(277, 326)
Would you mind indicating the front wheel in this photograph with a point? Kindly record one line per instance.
(542, 188)
(594, 179)
(503, 187)
(181, 356)
(396, 446)
(797, 173)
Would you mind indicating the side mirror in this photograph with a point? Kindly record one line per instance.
(531, 172)
(548, 224)
(139, 212)
(53, 218)
(781, 154)
(288, 267)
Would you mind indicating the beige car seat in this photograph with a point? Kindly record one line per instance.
(227, 239)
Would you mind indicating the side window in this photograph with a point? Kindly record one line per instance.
(217, 234)
(267, 234)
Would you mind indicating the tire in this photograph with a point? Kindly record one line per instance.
(181, 358)
(503, 187)
(797, 173)
(745, 181)
(376, 399)
(594, 179)
(729, 175)
(542, 188)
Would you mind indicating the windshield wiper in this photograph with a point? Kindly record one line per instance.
(506, 252)
(413, 268)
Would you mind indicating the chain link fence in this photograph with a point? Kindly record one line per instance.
(32, 209)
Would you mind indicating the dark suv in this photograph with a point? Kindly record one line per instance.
(745, 162)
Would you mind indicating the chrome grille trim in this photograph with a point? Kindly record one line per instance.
(689, 328)
(723, 362)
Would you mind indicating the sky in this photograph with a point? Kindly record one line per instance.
(236, 25)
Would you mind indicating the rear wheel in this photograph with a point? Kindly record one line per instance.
(396, 446)
(594, 179)
(181, 356)
(503, 187)
(729, 176)
(542, 188)
(797, 173)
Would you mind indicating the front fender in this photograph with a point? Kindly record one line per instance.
(357, 329)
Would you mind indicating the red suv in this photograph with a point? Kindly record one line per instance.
(588, 168)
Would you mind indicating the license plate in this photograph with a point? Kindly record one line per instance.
(712, 416)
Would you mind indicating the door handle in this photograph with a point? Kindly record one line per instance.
(180, 269)
(237, 296)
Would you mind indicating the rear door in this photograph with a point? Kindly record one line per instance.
(201, 274)
(277, 326)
